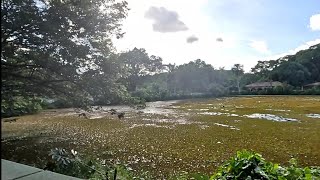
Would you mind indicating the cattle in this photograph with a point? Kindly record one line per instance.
(140, 112)
(83, 115)
(121, 115)
(113, 111)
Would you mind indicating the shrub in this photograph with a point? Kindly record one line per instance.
(251, 165)
(21, 105)
(245, 165)
(72, 164)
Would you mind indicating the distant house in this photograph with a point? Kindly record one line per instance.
(263, 85)
(309, 86)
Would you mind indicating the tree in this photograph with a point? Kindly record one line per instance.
(170, 67)
(49, 45)
(238, 71)
(138, 63)
(298, 69)
(293, 73)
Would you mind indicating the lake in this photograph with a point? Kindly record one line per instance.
(174, 136)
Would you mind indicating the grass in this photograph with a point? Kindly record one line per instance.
(187, 140)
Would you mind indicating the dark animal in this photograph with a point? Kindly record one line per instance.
(83, 114)
(140, 112)
(10, 120)
(121, 115)
(98, 108)
(113, 111)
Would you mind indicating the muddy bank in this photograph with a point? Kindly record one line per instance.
(157, 107)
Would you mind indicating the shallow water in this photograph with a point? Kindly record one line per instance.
(313, 115)
(218, 114)
(279, 110)
(270, 117)
(228, 126)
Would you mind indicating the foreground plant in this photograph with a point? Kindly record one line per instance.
(251, 165)
(72, 164)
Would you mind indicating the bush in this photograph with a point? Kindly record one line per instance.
(312, 91)
(72, 164)
(251, 165)
(245, 165)
(20, 106)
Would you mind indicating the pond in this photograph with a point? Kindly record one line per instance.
(169, 137)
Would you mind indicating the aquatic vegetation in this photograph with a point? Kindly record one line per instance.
(170, 140)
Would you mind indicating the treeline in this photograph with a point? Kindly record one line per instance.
(295, 70)
(198, 79)
(194, 79)
(60, 54)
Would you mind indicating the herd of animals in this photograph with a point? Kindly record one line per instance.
(111, 111)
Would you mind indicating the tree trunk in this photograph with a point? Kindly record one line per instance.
(238, 86)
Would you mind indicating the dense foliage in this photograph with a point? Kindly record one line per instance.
(296, 70)
(21, 105)
(72, 164)
(50, 49)
(251, 165)
(194, 79)
(245, 165)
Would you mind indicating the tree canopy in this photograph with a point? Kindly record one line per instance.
(50, 47)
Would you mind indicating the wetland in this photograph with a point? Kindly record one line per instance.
(170, 137)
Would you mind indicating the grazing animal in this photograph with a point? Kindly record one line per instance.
(121, 115)
(113, 111)
(10, 120)
(98, 108)
(83, 114)
(140, 112)
(140, 106)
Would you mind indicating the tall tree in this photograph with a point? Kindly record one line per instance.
(47, 45)
(238, 71)
(293, 73)
(138, 63)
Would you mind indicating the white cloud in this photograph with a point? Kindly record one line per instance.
(172, 47)
(315, 22)
(165, 20)
(260, 46)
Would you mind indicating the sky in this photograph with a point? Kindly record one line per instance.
(221, 32)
